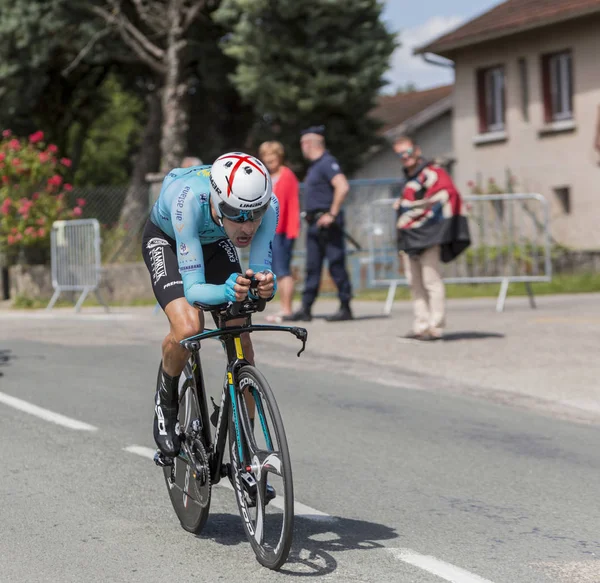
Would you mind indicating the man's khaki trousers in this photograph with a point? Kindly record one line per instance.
(427, 290)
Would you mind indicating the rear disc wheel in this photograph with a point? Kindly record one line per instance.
(188, 479)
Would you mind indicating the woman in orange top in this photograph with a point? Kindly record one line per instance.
(286, 188)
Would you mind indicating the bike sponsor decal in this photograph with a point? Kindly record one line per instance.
(156, 242)
(190, 267)
(186, 486)
(221, 412)
(228, 247)
(247, 381)
(238, 348)
(159, 267)
(239, 490)
(183, 249)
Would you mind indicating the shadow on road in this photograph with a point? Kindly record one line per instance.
(314, 540)
(5, 356)
(356, 318)
(466, 335)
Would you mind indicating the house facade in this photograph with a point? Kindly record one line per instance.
(526, 102)
(424, 115)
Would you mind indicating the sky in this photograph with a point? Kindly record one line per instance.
(418, 22)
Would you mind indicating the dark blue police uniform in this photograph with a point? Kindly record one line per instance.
(323, 242)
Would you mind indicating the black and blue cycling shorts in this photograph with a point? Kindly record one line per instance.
(160, 256)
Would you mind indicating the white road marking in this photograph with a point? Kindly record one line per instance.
(45, 414)
(436, 567)
(441, 569)
(301, 510)
(141, 450)
(43, 315)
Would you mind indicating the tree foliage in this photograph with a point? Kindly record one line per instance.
(310, 62)
(39, 87)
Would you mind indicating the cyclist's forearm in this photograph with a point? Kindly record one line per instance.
(205, 293)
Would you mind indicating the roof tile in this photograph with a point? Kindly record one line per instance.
(508, 18)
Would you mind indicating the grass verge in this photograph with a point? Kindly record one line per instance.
(560, 284)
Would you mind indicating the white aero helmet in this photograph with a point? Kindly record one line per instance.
(240, 187)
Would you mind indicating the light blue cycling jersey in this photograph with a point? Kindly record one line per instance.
(183, 212)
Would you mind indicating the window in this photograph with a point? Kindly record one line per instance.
(490, 89)
(563, 194)
(523, 76)
(557, 81)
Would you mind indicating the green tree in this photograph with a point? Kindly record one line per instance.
(409, 87)
(310, 62)
(43, 84)
(112, 137)
(157, 34)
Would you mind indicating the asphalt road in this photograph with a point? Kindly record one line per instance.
(417, 486)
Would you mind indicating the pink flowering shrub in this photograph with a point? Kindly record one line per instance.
(32, 193)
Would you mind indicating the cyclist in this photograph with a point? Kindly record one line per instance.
(189, 246)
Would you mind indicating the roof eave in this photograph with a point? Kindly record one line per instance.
(418, 120)
(446, 49)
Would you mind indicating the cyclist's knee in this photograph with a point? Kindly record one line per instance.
(185, 321)
(187, 327)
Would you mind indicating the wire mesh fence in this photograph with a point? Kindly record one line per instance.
(122, 212)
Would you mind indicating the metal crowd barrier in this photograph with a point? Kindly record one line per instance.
(510, 242)
(75, 259)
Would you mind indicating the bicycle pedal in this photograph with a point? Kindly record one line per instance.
(250, 488)
(162, 460)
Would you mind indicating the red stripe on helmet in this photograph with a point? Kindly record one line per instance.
(240, 161)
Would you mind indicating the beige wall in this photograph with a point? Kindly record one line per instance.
(539, 163)
(435, 139)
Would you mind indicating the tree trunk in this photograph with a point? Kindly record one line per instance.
(175, 98)
(136, 206)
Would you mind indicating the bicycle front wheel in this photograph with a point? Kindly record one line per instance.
(262, 470)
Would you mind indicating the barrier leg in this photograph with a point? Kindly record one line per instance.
(101, 299)
(502, 296)
(53, 299)
(81, 299)
(387, 310)
(530, 294)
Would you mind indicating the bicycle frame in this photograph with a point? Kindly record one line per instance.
(231, 340)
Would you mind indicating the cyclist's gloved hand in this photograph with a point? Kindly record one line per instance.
(237, 287)
(267, 285)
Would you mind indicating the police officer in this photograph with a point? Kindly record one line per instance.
(326, 188)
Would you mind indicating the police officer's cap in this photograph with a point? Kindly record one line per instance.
(319, 130)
